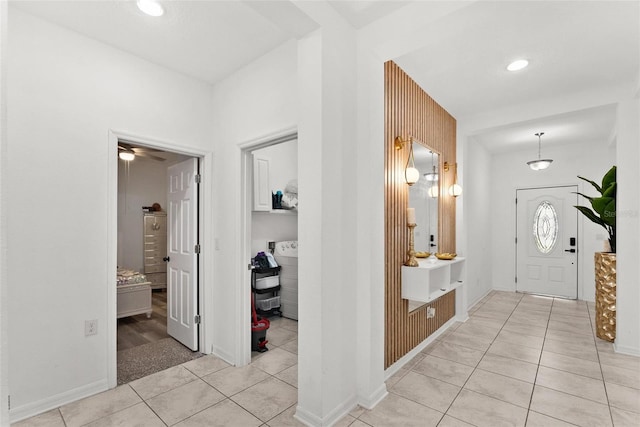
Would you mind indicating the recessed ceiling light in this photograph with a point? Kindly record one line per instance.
(150, 7)
(518, 65)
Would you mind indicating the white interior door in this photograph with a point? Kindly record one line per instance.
(182, 271)
(546, 241)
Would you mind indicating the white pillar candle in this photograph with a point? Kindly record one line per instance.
(411, 216)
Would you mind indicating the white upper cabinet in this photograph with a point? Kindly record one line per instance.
(261, 187)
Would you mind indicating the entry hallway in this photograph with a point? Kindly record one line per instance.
(519, 360)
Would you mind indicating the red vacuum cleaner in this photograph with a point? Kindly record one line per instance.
(259, 328)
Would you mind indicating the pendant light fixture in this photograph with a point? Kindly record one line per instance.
(432, 176)
(539, 164)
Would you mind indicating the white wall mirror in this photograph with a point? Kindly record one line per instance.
(424, 197)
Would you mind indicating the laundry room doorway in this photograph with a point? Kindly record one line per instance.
(270, 206)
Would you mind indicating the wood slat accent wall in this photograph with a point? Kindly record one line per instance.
(410, 112)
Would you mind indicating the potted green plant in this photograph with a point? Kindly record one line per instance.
(604, 214)
(604, 207)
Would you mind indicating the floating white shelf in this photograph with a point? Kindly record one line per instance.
(431, 279)
(279, 212)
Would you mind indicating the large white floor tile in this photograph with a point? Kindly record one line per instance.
(222, 414)
(427, 391)
(138, 415)
(621, 376)
(205, 365)
(587, 368)
(579, 351)
(515, 351)
(457, 353)
(275, 360)
(285, 419)
(576, 385)
(535, 419)
(184, 401)
(101, 405)
(155, 384)
(449, 421)
(267, 399)
(485, 411)
(520, 339)
(513, 368)
(568, 408)
(445, 370)
(51, 418)
(625, 398)
(395, 410)
(500, 387)
(623, 418)
(232, 380)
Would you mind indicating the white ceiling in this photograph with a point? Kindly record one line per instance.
(363, 12)
(572, 46)
(207, 40)
(589, 125)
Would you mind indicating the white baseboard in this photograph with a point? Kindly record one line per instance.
(307, 418)
(477, 300)
(631, 351)
(417, 349)
(227, 357)
(330, 419)
(34, 408)
(374, 398)
(502, 289)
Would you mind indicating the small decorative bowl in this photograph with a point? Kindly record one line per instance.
(445, 256)
(423, 254)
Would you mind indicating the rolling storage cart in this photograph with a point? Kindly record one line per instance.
(266, 281)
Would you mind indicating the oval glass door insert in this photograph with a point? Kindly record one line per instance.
(545, 227)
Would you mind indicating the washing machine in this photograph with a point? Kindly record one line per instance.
(286, 255)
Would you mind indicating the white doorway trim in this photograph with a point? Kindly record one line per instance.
(243, 297)
(205, 236)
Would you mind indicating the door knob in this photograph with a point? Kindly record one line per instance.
(166, 259)
(570, 250)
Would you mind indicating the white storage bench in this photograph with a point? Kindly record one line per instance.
(134, 299)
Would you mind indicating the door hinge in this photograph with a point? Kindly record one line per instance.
(516, 240)
(196, 319)
(9, 402)
(516, 200)
(198, 178)
(516, 279)
(196, 249)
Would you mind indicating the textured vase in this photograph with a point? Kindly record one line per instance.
(605, 263)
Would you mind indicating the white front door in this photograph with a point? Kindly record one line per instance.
(182, 270)
(546, 241)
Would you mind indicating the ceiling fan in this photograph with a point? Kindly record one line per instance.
(129, 152)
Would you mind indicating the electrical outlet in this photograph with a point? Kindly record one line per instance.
(431, 312)
(90, 327)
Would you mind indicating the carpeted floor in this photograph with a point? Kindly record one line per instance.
(144, 347)
(147, 359)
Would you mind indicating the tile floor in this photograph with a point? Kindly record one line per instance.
(519, 360)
